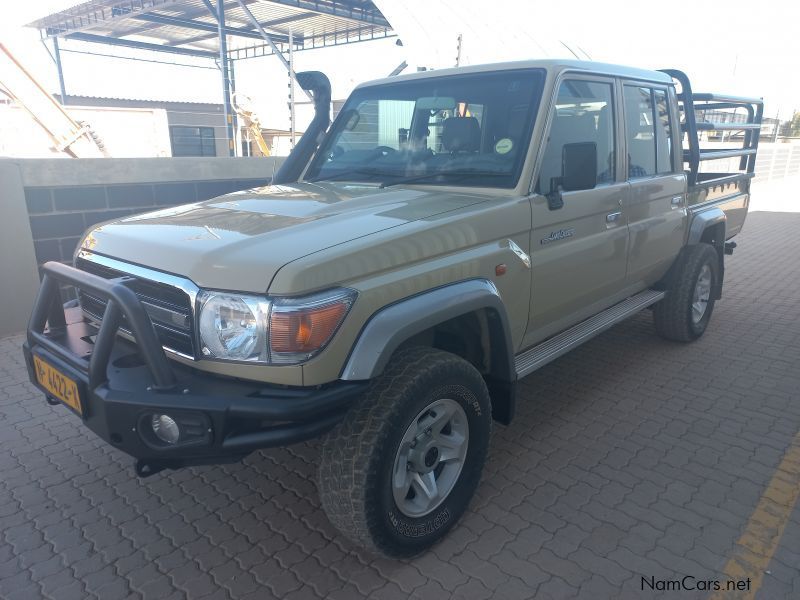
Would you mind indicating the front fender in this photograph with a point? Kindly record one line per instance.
(396, 323)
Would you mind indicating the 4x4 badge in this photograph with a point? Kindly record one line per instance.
(555, 236)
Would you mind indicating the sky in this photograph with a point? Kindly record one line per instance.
(724, 47)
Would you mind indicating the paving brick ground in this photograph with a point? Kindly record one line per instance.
(630, 457)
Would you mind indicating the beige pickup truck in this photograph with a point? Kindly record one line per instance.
(449, 233)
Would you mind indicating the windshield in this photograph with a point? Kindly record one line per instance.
(471, 130)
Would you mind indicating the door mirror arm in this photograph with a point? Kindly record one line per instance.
(555, 200)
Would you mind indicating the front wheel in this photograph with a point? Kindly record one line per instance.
(685, 311)
(401, 468)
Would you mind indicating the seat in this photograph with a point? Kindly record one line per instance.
(461, 134)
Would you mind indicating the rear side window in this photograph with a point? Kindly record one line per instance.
(648, 131)
(584, 113)
(663, 133)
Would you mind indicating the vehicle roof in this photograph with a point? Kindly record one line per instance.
(551, 65)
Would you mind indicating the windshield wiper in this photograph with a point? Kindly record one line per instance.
(346, 172)
(460, 173)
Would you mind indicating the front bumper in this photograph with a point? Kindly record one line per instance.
(122, 385)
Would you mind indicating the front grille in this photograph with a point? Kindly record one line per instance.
(168, 307)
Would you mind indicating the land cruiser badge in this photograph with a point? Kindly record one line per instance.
(555, 236)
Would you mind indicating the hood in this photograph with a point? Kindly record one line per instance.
(239, 241)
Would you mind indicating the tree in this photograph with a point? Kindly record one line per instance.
(794, 125)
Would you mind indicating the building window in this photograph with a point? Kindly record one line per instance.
(192, 141)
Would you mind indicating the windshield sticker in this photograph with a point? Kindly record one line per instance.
(503, 146)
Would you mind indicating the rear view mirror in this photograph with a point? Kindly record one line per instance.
(436, 103)
(579, 166)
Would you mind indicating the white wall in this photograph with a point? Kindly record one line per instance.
(125, 132)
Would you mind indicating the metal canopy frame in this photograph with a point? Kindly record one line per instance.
(221, 30)
(691, 102)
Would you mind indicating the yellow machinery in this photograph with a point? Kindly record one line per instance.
(243, 105)
(67, 135)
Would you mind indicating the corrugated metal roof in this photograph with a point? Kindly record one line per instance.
(109, 100)
(189, 27)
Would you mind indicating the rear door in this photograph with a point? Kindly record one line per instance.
(578, 251)
(656, 205)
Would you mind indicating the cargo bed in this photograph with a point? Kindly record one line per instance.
(728, 190)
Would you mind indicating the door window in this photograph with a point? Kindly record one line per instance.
(648, 132)
(584, 113)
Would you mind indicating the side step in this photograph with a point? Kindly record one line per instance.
(538, 356)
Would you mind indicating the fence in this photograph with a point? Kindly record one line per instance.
(776, 161)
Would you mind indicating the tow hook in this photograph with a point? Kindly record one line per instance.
(729, 246)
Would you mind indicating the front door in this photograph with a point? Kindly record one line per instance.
(578, 251)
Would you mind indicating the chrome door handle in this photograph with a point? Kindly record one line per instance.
(613, 217)
(677, 201)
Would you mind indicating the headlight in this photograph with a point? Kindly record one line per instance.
(233, 326)
(270, 330)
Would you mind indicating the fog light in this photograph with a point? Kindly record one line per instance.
(166, 429)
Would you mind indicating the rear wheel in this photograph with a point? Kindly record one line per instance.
(401, 468)
(685, 311)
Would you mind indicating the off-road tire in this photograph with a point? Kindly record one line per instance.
(354, 477)
(673, 314)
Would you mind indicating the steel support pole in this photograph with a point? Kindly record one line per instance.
(60, 69)
(398, 69)
(237, 134)
(292, 129)
(226, 90)
(257, 26)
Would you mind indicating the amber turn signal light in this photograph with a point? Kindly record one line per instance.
(301, 327)
(305, 331)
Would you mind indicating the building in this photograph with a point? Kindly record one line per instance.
(128, 128)
(193, 128)
(125, 127)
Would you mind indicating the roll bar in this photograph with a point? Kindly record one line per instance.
(689, 102)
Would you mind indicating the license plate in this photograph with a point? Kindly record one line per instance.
(57, 384)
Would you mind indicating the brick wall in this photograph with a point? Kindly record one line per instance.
(47, 204)
(60, 215)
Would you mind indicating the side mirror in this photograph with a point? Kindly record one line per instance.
(578, 172)
(579, 166)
